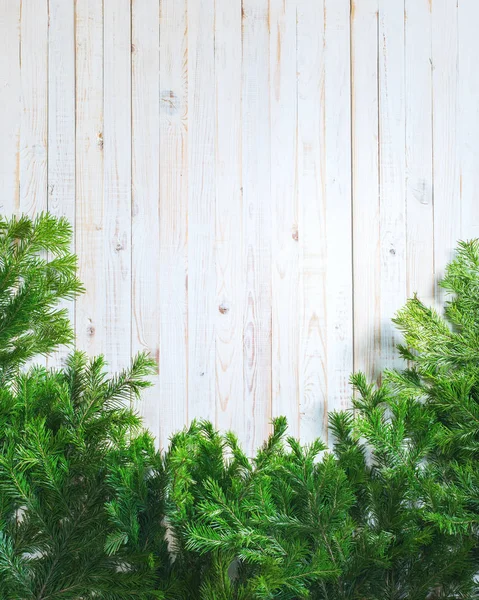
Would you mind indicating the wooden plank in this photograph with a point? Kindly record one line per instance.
(392, 176)
(468, 118)
(324, 183)
(247, 147)
(90, 308)
(313, 366)
(201, 210)
(173, 217)
(418, 121)
(34, 116)
(257, 221)
(10, 91)
(61, 125)
(229, 246)
(145, 141)
(365, 182)
(337, 173)
(284, 204)
(34, 112)
(117, 178)
(61, 109)
(447, 203)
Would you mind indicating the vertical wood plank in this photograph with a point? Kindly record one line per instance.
(213, 190)
(229, 246)
(312, 232)
(337, 136)
(418, 121)
(117, 177)
(90, 215)
(447, 200)
(61, 109)
(173, 217)
(145, 142)
(365, 182)
(468, 118)
(34, 112)
(392, 175)
(324, 176)
(34, 116)
(257, 221)
(61, 125)
(284, 206)
(201, 209)
(10, 91)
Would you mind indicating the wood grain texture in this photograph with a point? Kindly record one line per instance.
(61, 125)
(89, 204)
(34, 113)
(117, 180)
(256, 186)
(365, 181)
(10, 96)
(285, 246)
(324, 189)
(419, 150)
(145, 146)
(173, 308)
(33, 167)
(201, 209)
(468, 119)
(313, 359)
(392, 175)
(447, 200)
(229, 256)
(256, 221)
(337, 135)
(61, 109)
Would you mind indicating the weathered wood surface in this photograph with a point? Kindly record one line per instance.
(256, 186)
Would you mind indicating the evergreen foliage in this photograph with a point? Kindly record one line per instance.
(81, 489)
(412, 452)
(401, 550)
(408, 453)
(81, 486)
(90, 510)
(37, 270)
(443, 355)
(272, 527)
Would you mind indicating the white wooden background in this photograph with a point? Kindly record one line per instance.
(256, 186)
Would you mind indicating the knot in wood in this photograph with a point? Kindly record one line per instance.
(223, 308)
